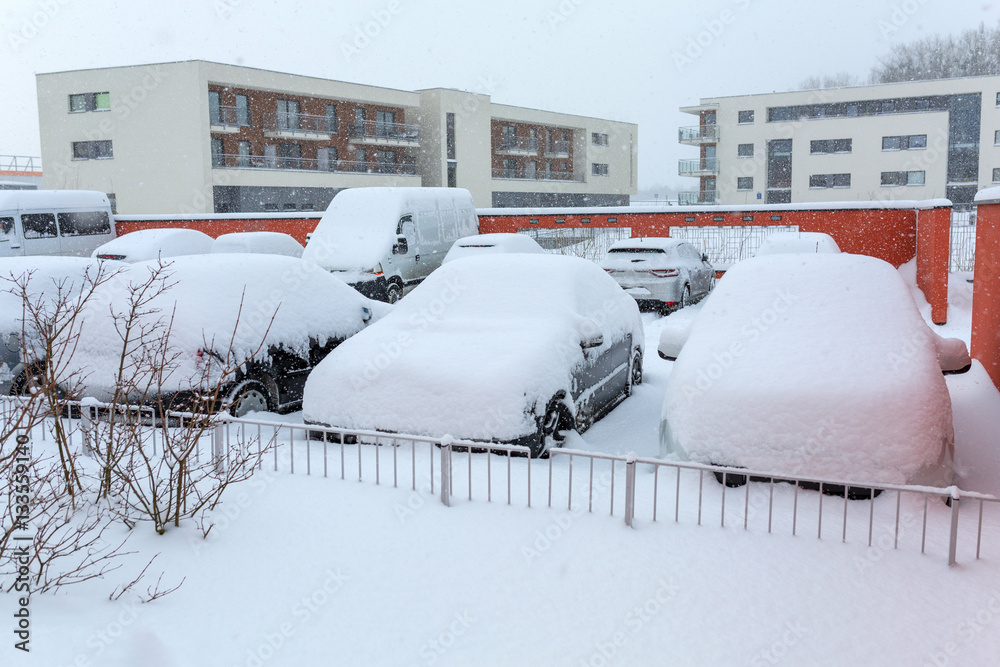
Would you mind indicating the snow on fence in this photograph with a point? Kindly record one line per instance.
(639, 490)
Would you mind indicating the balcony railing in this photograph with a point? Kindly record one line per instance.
(698, 134)
(381, 131)
(522, 174)
(229, 116)
(20, 163)
(557, 148)
(283, 121)
(519, 144)
(691, 198)
(229, 161)
(707, 165)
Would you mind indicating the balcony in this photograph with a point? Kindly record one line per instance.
(707, 166)
(694, 197)
(385, 134)
(229, 161)
(522, 174)
(518, 146)
(557, 149)
(21, 165)
(286, 125)
(228, 119)
(697, 135)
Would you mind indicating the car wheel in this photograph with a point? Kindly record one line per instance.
(393, 293)
(248, 396)
(552, 425)
(685, 297)
(635, 373)
(732, 480)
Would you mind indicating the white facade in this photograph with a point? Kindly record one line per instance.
(156, 138)
(917, 140)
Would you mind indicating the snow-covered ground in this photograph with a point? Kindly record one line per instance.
(302, 570)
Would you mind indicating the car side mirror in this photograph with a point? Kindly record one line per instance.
(672, 340)
(704, 258)
(13, 342)
(401, 247)
(953, 356)
(592, 341)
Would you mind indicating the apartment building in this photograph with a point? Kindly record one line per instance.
(204, 137)
(915, 140)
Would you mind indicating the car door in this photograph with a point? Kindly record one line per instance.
(599, 380)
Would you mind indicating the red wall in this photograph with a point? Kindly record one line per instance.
(215, 227)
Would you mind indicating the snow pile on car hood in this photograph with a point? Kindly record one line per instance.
(148, 244)
(814, 365)
(475, 351)
(217, 303)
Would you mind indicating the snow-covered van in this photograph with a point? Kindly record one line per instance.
(54, 222)
(384, 240)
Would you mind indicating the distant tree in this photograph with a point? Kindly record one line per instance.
(838, 80)
(975, 52)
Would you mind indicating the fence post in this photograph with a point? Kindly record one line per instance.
(87, 428)
(953, 536)
(446, 471)
(629, 488)
(218, 449)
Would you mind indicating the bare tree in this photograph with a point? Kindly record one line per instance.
(974, 52)
(838, 80)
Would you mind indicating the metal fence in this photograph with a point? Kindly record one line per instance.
(728, 245)
(963, 240)
(638, 490)
(589, 243)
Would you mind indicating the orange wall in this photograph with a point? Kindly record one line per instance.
(985, 305)
(889, 234)
(214, 227)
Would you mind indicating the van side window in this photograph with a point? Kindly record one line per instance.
(6, 228)
(38, 225)
(399, 227)
(84, 223)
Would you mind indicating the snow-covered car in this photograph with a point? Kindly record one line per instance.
(813, 365)
(145, 244)
(503, 348)
(268, 317)
(49, 280)
(663, 273)
(783, 242)
(492, 244)
(267, 243)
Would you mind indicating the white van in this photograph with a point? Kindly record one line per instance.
(54, 222)
(382, 241)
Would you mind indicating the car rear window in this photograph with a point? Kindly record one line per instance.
(638, 250)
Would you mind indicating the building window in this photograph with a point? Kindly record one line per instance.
(612, 221)
(89, 102)
(923, 105)
(92, 150)
(745, 117)
(905, 142)
(842, 145)
(509, 168)
(830, 181)
(996, 137)
(450, 135)
(598, 169)
(452, 175)
(599, 139)
(998, 99)
(819, 146)
(244, 151)
(996, 173)
(584, 221)
(242, 110)
(744, 150)
(289, 156)
(288, 115)
(508, 137)
(214, 107)
(218, 153)
(744, 183)
(385, 124)
(331, 119)
(894, 178)
(888, 106)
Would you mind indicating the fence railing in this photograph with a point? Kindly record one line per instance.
(886, 517)
(698, 133)
(707, 165)
(374, 129)
(520, 173)
(230, 161)
(963, 240)
(227, 116)
(20, 163)
(524, 144)
(286, 121)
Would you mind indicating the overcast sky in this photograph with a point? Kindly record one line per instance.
(628, 60)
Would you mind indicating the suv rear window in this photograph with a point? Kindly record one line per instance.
(637, 250)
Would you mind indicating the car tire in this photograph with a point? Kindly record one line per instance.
(393, 292)
(731, 480)
(552, 425)
(248, 396)
(634, 373)
(685, 297)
